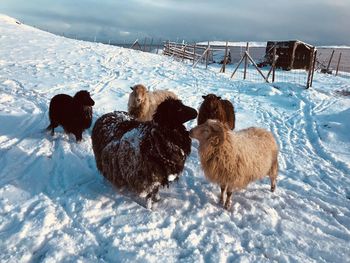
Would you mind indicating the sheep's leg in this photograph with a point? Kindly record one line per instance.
(222, 195)
(273, 175)
(155, 195)
(78, 135)
(52, 127)
(152, 197)
(228, 202)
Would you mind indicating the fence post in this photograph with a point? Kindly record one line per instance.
(207, 56)
(313, 67)
(194, 53)
(274, 63)
(225, 59)
(336, 73)
(183, 53)
(308, 84)
(330, 60)
(246, 61)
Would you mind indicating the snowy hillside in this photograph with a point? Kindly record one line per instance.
(56, 207)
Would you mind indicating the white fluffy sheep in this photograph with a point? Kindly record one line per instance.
(233, 159)
(143, 103)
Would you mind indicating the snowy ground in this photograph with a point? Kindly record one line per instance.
(55, 206)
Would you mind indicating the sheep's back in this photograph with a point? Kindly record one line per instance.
(245, 156)
(255, 150)
(138, 155)
(211, 110)
(109, 127)
(61, 108)
(230, 113)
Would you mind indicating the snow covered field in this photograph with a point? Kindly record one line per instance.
(56, 207)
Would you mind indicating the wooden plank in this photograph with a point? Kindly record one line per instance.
(291, 66)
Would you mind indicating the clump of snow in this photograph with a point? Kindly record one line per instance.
(55, 206)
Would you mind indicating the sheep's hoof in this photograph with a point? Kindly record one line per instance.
(222, 202)
(156, 197)
(227, 205)
(273, 188)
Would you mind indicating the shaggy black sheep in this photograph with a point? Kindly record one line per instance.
(213, 107)
(74, 114)
(142, 156)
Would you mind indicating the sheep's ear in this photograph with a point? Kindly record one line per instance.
(215, 141)
(219, 98)
(132, 88)
(204, 96)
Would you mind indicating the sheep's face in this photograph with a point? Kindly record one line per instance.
(211, 132)
(172, 112)
(138, 95)
(84, 98)
(211, 99)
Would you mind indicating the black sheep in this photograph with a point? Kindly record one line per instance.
(74, 114)
(142, 156)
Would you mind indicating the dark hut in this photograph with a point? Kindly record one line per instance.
(289, 54)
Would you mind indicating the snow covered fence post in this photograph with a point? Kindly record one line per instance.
(223, 68)
(246, 61)
(311, 68)
(194, 53)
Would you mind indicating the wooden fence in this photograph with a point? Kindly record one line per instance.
(204, 54)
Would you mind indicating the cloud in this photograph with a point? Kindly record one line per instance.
(318, 22)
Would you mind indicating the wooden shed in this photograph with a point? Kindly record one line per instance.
(292, 54)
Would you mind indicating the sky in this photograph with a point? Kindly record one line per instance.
(318, 22)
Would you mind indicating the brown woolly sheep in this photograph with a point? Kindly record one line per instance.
(234, 159)
(74, 114)
(143, 103)
(213, 107)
